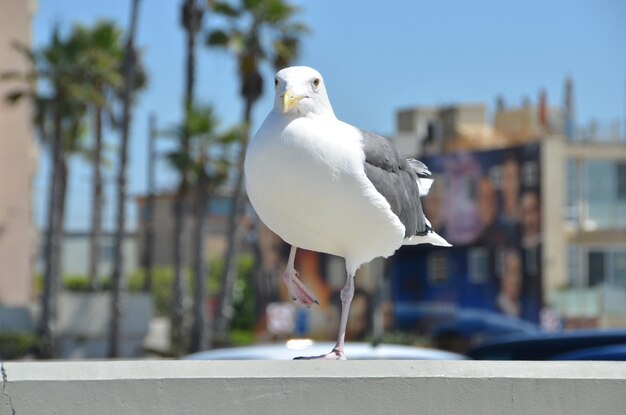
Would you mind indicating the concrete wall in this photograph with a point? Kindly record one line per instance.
(84, 333)
(309, 387)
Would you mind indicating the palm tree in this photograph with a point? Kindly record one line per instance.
(59, 118)
(130, 72)
(256, 31)
(207, 162)
(103, 56)
(148, 252)
(191, 20)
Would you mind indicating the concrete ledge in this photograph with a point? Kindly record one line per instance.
(307, 387)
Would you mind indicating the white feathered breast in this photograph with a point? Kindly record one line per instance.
(306, 181)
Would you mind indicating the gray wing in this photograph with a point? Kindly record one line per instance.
(396, 179)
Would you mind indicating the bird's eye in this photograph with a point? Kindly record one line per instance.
(316, 82)
(275, 81)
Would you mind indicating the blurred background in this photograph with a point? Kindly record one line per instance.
(124, 226)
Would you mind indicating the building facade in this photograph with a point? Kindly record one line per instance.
(487, 205)
(593, 229)
(219, 208)
(570, 196)
(18, 158)
(76, 251)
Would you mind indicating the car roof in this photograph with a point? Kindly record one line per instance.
(613, 352)
(354, 351)
(545, 346)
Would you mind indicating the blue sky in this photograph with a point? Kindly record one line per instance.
(375, 59)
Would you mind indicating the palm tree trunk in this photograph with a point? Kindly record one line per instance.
(52, 242)
(200, 334)
(57, 251)
(148, 259)
(60, 224)
(234, 234)
(191, 16)
(116, 279)
(96, 204)
(47, 297)
(178, 289)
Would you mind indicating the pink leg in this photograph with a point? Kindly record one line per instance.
(347, 292)
(298, 292)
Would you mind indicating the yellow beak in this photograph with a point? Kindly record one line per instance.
(290, 100)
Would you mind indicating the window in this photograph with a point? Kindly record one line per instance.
(145, 212)
(221, 206)
(495, 174)
(573, 191)
(437, 267)
(596, 194)
(606, 265)
(600, 194)
(573, 266)
(618, 268)
(530, 174)
(107, 251)
(531, 262)
(621, 194)
(478, 265)
(406, 121)
(187, 207)
(595, 268)
(621, 181)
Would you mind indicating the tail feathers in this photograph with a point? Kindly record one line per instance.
(424, 185)
(419, 168)
(423, 176)
(430, 238)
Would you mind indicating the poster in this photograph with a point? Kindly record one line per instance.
(488, 206)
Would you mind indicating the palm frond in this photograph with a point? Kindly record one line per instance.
(25, 51)
(277, 11)
(223, 8)
(217, 38)
(13, 97)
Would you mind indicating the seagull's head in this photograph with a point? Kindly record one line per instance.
(300, 91)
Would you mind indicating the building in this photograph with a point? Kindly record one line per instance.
(567, 193)
(76, 252)
(591, 179)
(487, 205)
(220, 206)
(18, 160)
(437, 129)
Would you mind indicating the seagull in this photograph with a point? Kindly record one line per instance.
(324, 185)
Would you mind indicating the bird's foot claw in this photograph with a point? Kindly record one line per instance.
(298, 292)
(335, 354)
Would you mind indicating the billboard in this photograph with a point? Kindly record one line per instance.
(488, 205)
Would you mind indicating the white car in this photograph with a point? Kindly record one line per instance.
(306, 347)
